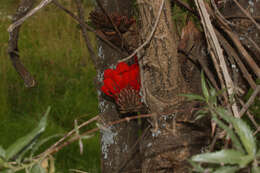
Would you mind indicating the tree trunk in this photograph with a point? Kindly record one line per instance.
(174, 137)
(116, 141)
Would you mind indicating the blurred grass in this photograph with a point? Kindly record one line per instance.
(52, 49)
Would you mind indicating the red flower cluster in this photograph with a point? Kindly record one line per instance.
(123, 77)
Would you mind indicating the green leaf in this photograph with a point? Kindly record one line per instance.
(219, 157)
(242, 129)
(246, 160)
(223, 113)
(230, 133)
(2, 152)
(227, 169)
(204, 86)
(200, 113)
(196, 167)
(193, 97)
(22, 144)
(37, 169)
(245, 135)
(199, 116)
(213, 97)
(43, 141)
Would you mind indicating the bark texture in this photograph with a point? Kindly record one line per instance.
(175, 136)
(116, 141)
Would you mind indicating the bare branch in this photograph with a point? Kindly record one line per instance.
(100, 36)
(30, 13)
(247, 14)
(250, 101)
(22, 10)
(83, 28)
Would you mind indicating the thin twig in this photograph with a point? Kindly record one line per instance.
(65, 143)
(247, 14)
(254, 44)
(101, 37)
(42, 4)
(232, 53)
(223, 24)
(150, 36)
(83, 28)
(250, 101)
(51, 148)
(251, 117)
(216, 50)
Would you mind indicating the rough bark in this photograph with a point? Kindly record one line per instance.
(116, 141)
(175, 137)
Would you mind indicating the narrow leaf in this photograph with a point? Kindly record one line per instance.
(22, 144)
(246, 135)
(219, 157)
(43, 141)
(213, 97)
(37, 169)
(204, 86)
(230, 133)
(2, 152)
(242, 129)
(227, 169)
(196, 166)
(246, 160)
(193, 97)
(199, 116)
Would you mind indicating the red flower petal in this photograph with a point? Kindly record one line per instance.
(122, 67)
(120, 81)
(106, 90)
(109, 73)
(111, 86)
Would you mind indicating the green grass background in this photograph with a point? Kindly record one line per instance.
(52, 49)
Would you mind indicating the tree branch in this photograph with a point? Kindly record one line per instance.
(13, 52)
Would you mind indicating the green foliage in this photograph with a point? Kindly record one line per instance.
(244, 151)
(22, 145)
(52, 49)
(181, 16)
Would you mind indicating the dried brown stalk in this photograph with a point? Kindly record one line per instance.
(247, 14)
(232, 53)
(216, 51)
